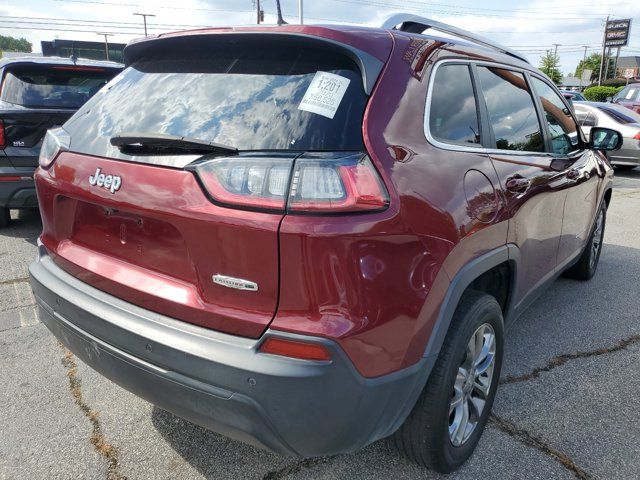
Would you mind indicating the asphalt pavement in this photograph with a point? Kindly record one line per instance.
(567, 406)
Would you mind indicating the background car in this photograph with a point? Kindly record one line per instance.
(37, 94)
(629, 97)
(573, 96)
(627, 122)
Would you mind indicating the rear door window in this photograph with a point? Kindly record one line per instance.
(512, 114)
(244, 93)
(453, 114)
(52, 86)
(562, 128)
(586, 118)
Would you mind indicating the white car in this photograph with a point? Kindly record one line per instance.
(624, 120)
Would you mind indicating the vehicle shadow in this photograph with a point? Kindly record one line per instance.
(570, 316)
(25, 224)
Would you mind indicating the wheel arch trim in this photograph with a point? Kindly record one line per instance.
(508, 253)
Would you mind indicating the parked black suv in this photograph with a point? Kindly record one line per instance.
(35, 95)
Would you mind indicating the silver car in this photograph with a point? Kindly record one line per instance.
(627, 122)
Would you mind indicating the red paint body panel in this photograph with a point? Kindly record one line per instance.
(158, 242)
(375, 282)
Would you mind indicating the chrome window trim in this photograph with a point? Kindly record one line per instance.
(481, 150)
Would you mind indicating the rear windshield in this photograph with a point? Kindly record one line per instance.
(630, 93)
(249, 95)
(53, 86)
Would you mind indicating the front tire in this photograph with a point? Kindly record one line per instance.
(587, 265)
(445, 425)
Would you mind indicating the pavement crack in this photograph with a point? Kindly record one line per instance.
(13, 281)
(560, 360)
(530, 440)
(98, 440)
(295, 468)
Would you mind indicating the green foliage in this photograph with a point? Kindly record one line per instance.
(550, 66)
(11, 44)
(592, 62)
(619, 89)
(599, 94)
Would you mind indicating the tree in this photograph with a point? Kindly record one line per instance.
(550, 66)
(12, 44)
(592, 62)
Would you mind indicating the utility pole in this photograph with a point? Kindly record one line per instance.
(281, 20)
(106, 44)
(300, 12)
(615, 68)
(555, 49)
(584, 62)
(258, 12)
(144, 17)
(604, 47)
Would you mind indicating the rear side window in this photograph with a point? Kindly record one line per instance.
(511, 110)
(620, 116)
(561, 125)
(453, 115)
(586, 118)
(251, 94)
(52, 86)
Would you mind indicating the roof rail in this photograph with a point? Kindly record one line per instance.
(406, 22)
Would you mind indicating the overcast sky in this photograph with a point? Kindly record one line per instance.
(530, 27)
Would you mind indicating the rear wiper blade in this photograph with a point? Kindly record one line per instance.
(158, 143)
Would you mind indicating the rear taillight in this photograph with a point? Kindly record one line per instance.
(349, 185)
(260, 183)
(637, 137)
(2, 138)
(295, 349)
(55, 141)
(310, 185)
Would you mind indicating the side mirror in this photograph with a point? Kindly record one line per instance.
(605, 139)
(610, 99)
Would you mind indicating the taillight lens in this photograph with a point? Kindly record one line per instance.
(637, 137)
(260, 183)
(55, 141)
(347, 185)
(295, 349)
(310, 185)
(2, 138)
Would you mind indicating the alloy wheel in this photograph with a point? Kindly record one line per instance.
(472, 384)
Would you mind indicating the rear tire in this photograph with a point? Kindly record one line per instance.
(5, 217)
(433, 434)
(587, 265)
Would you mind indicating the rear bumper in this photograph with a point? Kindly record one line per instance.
(17, 193)
(629, 154)
(219, 381)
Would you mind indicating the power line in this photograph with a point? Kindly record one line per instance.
(102, 22)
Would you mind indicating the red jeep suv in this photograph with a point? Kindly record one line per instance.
(309, 238)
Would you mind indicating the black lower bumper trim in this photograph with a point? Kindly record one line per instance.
(220, 381)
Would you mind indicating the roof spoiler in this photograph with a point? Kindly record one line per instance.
(370, 66)
(406, 22)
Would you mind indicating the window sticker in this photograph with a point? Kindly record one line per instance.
(631, 93)
(324, 94)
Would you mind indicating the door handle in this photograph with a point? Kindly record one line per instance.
(517, 184)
